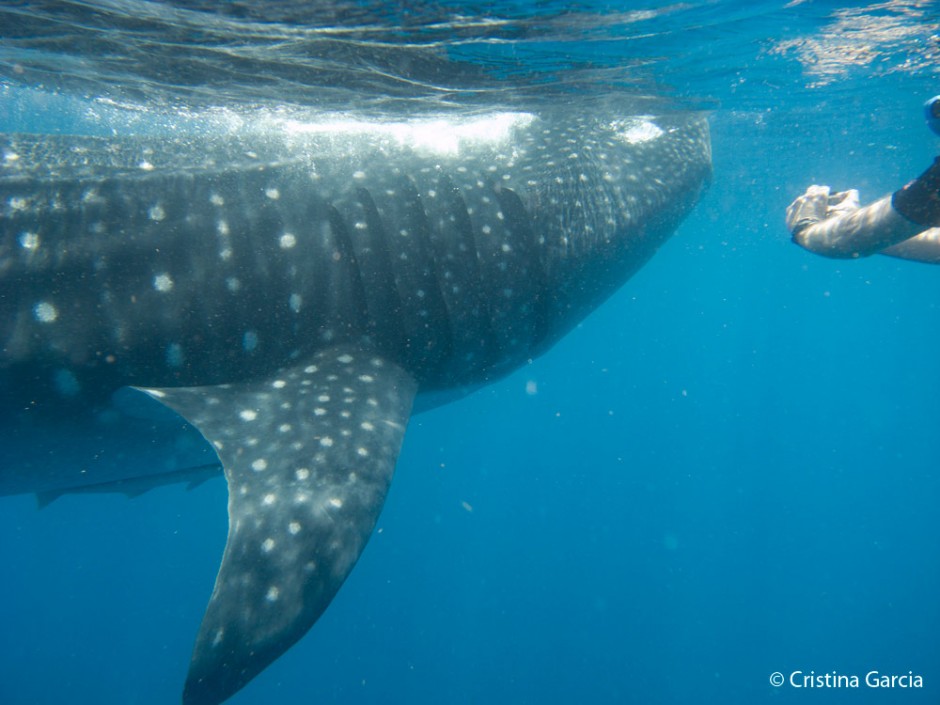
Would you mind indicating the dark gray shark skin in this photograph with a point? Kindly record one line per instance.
(291, 297)
(135, 486)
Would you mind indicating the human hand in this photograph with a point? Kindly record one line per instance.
(819, 204)
(843, 203)
(808, 209)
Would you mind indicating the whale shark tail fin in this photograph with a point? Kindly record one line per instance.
(308, 456)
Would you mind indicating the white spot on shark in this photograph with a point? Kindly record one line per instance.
(45, 312)
(259, 465)
(29, 241)
(287, 241)
(163, 283)
(248, 414)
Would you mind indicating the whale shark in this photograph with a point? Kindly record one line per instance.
(289, 298)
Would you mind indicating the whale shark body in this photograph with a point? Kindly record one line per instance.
(293, 299)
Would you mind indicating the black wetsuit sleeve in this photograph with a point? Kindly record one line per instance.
(919, 201)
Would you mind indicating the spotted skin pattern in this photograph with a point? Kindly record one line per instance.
(292, 298)
(305, 455)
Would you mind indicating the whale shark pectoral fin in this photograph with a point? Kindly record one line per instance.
(308, 456)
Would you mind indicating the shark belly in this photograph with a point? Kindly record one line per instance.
(292, 303)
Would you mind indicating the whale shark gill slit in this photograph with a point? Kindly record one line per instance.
(382, 298)
(347, 285)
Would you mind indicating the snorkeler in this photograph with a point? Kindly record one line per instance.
(905, 224)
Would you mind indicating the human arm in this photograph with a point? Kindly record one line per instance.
(924, 247)
(905, 224)
(834, 225)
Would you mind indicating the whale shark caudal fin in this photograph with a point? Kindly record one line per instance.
(308, 455)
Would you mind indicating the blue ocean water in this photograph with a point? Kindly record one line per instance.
(728, 470)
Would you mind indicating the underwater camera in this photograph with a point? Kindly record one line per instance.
(932, 114)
